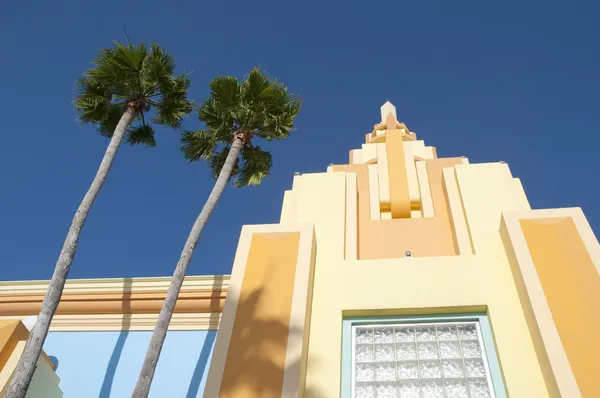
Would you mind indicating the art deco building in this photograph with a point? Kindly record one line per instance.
(399, 274)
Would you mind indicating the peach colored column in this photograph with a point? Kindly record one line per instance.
(255, 361)
(264, 327)
(399, 196)
(571, 285)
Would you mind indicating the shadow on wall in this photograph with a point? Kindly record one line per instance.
(111, 369)
(256, 355)
(209, 341)
(258, 342)
(201, 364)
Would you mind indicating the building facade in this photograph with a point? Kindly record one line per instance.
(399, 274)
(100, 333)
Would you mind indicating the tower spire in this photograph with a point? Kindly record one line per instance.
(389, 121)
(386, 109)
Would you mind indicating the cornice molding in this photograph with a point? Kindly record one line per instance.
(125, 322)
(105, 285)
(199, 294)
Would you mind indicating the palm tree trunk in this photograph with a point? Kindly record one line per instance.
(27, 363)
(142, 387)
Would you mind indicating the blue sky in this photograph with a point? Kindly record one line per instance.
(512, 81)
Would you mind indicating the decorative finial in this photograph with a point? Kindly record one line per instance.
(386, 109)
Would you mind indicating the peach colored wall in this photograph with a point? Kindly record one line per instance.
(378, 239)
(571, 285)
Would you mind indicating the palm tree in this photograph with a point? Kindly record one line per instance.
(235, 114)
(125, 82)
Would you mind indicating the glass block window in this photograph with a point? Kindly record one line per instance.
(420, 360)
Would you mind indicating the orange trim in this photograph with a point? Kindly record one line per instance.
(399, 196)
(115, 303)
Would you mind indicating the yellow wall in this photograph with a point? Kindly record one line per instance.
(486, 191)
(418, 285)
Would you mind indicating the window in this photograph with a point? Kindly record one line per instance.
(420, 358)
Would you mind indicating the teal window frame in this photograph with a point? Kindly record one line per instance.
(486, 337)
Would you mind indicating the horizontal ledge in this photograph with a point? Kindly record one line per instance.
(133, 322)
(129, 303)
(104, 285)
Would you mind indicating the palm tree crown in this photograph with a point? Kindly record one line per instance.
(259, 107)
(139, 77)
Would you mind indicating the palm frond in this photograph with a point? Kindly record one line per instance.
(217, 161)
(92, 101)
(256, 166)
(158, 70)
(129, 56)
(197, 145)
(107, 126)
(260, 104)
(280, 125)
(108, 73)
(257, 87)
(89, 88)
(225, 90)
(217, 119)
(132, 75)
(174, 104)
(142, 134)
